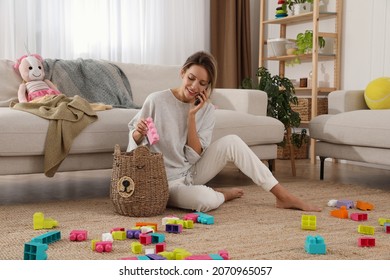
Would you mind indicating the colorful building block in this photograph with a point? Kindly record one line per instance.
(103, 246)
(157, 237)
(191, 216)
(118, 235)
(387, 227)
(173, 228)
(347, 203)
(156, 257)
(160, 247)
(117, 229)
(368, 230)
(107, 236)
(167, 255)
(147, 224)
(152, 133)
(199, 257)
(78, 235)
(136, 247)
(383, 221)
(359, 216)
(165, 220)
(145, 238)
(35, 251)
(224, 254)
(180, 253)
(309, 222)
(48, 237)
(188, 224)
(133, 233)
(362, 205)
(366, 241)
(315, 245)
(205, 218)
(341, 213)
(39, 221)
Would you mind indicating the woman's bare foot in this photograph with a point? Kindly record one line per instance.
(286, 200)
(231, 193)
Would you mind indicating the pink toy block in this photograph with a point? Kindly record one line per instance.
(129, 258)
(161, 247)
(191, 216)
(198, 257)
(224, 254)
(103, 246)
(78, 235)
(145, 238)
(359, 216)
(366, 242)
(152, 134)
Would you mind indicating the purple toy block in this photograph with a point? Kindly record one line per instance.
(133, 233)
(155, 257)
(173, 228)
(347, 203)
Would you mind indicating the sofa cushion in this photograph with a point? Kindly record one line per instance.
(248, 127)
(27, 134)
(370, 128)
(9, 84)
(146, 78)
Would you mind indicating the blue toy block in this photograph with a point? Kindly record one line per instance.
(48, 237)
(143, 258)
(205, 218)
(347, 203)
(35, 251)
(157, 237)
(216, 257)
(173, 228)
(315, 245)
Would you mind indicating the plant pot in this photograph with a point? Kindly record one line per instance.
(302, 8)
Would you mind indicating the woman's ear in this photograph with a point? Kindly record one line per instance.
(182, 72)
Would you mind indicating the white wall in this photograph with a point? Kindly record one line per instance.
(365, 42)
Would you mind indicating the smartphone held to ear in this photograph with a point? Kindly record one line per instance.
(197, 101)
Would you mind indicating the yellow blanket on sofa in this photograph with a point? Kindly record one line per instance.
(67, 116)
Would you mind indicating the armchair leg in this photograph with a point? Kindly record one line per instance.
(322, 163)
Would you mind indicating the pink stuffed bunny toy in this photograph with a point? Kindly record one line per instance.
(30, 68)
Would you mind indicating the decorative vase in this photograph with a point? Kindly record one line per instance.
(301, 8)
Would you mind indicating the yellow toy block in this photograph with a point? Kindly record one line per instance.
(93, 244)
(309, 222)
(119, 235)
(39, 221)
(181, 254)
(188, 224)
(148, 224)
(383, 221)
(167, 255)
(136, 247)
(369, 230)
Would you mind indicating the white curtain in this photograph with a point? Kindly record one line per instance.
(137, 31)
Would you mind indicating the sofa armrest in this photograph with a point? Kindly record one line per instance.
(251, 101)
(340, 101)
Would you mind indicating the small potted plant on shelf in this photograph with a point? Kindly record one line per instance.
(304, 42)
(300, 6)
(281, 94)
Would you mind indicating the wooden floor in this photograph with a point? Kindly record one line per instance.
(88, 184)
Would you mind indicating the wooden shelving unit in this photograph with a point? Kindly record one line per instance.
(315, 17)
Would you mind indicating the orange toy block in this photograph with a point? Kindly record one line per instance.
(147, 224)
(362, 205)
(341, 213)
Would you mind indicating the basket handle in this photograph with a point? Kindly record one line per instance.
(117, 150)
(141, 151)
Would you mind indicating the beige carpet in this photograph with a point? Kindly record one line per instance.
(248, 228)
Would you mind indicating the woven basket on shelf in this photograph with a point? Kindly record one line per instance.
(304, 107)
(139, 186)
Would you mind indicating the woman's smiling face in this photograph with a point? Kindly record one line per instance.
(195, 80)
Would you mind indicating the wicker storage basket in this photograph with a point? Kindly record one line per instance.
(300, 153)
(139, 186)
(304, 107)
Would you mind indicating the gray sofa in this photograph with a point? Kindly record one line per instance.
(351, 131)
(22, 135)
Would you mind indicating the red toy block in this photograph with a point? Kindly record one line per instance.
(387, 227)
(359, 216)
(191, 216)
(366, 242)
(341, 213)
(117, 229)
(78, 235)
(145, 238)
(362, 205)
(160, 247)
(224, 254)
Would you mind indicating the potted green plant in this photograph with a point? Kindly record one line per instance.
(304, 42)
(281, 94)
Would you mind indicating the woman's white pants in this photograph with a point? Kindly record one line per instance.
(231, 148)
